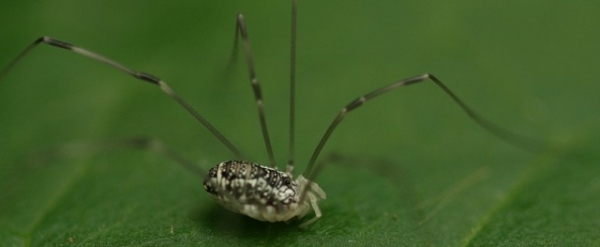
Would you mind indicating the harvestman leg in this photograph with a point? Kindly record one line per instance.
(292, 127)
(83, 148)
(139, 75)
(514, 139)
(315, 206)
(241, 30)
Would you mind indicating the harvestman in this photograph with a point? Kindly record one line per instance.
(262, 192)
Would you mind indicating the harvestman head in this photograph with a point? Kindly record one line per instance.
(264, 192)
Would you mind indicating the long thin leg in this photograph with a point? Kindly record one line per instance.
(243, 31)
(139, 75)
(292, 87)
(83, 148)
(514, 139)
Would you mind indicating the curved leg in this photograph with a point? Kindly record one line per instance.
(512, 138)
(83, 148)
(139, 75)
(315, 206)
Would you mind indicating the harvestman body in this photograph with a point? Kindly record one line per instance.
(262, 192)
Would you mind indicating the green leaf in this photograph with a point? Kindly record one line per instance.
(412, 168)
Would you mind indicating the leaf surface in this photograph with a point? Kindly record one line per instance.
(412, 169)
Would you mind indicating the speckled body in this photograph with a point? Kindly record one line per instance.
(261, 192)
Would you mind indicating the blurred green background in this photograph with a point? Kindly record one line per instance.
(415, 170)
